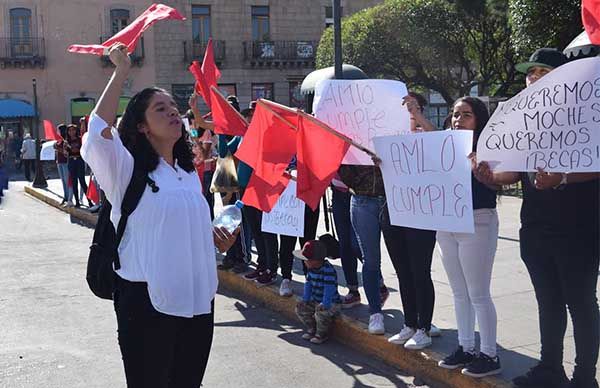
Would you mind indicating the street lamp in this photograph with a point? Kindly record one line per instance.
(39, 181)
(337, 39)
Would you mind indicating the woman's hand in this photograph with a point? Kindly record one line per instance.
(482, 170)
(223, 239)
(411, 104)
(547, 180)
(119, 57)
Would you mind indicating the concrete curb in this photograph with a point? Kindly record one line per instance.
(348, 331)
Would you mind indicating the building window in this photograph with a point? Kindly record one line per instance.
(296, 98)
(260, 23)
(227, 89)
(200, 23)
(437, 114)
(21, 44)
(262, 90)
(119, 18)
(329, 16)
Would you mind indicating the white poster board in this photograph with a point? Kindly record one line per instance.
(287, 216)
(553, 124)
(427, 178)
(47, 152)
(362, 110)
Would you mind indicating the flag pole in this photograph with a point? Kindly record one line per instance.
(345, 138)
(218, 93)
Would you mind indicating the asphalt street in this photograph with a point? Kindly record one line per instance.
(55, 333)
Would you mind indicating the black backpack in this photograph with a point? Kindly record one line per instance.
(100, 275)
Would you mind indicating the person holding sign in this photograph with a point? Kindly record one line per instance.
(468, 260)
(560, 229)
(167, 278)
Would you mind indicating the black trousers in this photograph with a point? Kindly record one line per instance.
(411, 252)
(288, 243)
(28, 167)
(159, 350)
(77, 173)
(564, 273)
(266, 243)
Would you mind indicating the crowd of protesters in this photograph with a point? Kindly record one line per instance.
(559, 239)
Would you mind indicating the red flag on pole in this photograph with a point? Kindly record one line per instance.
(92, 192)
(130, 35)
(206, 75)
(270, 142)
(320, 153)
(590, 15)
(260, 195)
(50, 132)
(226, 119)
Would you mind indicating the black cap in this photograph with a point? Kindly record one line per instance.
(544, 57)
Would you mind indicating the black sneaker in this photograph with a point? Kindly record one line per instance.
(542, 376)
(458, 359)
(483, 365)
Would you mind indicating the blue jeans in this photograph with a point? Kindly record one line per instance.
(365, 213)
(63, 172)
(349, 248)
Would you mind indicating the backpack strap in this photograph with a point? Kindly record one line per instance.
(132, 197)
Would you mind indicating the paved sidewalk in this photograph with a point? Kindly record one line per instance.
(518, 334)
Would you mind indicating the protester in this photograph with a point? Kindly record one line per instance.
(16, 145)
(62, 159)
(320, 301)
(76, 164)
(468, 259)
(416, 103)
(28, 155)
(560, 225)
(167, 281)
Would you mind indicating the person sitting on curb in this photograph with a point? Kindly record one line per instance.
(321, 301)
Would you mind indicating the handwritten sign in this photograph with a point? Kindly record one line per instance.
(427, 179)
(287, 217)
(362, 110)
(553, 124)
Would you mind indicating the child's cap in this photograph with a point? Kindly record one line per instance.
(312, 250)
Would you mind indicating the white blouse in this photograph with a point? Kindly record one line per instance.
(168, 241)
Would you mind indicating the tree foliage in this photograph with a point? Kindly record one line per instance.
(547, 23)
(441, 45)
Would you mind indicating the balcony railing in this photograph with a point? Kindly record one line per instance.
(137, 57)
(280, 52)
(194, 51)
(21, 52)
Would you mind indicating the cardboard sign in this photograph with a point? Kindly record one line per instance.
(362, 110)
(287, 216)
(554, 124)
(427, 179)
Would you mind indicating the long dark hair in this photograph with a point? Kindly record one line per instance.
(136, 142)
(480, 111)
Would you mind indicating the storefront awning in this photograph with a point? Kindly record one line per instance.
(10, 109)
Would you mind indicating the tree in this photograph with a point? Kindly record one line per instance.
(442, 45)
(547, 23)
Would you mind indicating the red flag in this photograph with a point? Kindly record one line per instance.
(227, 120)
(207, 75)
(590, 15)
(130, 35)
(92, 192)
(260, 195)
(320, 154)
(50, 132)
(270, 142)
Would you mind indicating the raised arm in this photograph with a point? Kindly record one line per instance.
(198, 119)
(107, 105)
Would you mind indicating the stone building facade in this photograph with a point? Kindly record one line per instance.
(264, 48)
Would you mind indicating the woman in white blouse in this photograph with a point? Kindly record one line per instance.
(167, 280)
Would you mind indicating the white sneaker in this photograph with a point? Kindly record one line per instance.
(285, 288)
(420, 340)
(376, 325)
(405, 334)
(435, 331)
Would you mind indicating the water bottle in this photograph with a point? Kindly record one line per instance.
(230, 217)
